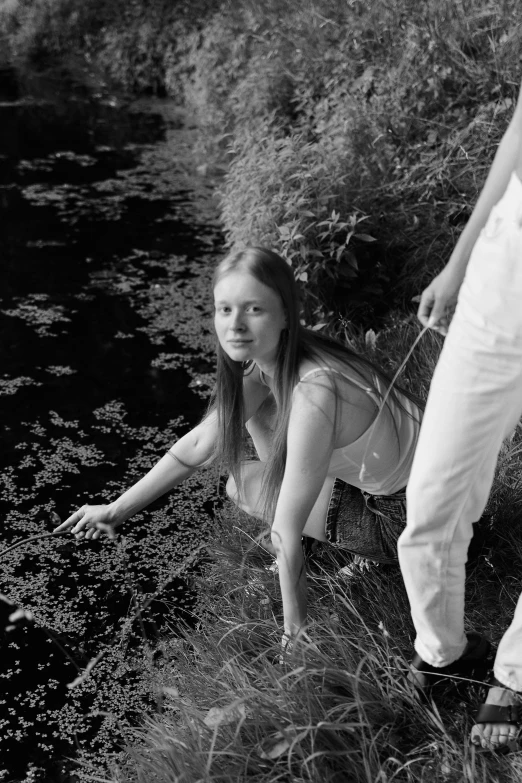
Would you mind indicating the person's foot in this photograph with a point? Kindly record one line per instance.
(498, 729)
(472, 664)
(358, 566)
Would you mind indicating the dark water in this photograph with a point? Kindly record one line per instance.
(108, 238)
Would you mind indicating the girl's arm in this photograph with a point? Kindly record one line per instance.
(310, 445)
(182, 460)
(443, 290)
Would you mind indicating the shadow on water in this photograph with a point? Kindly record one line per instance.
(107, 247)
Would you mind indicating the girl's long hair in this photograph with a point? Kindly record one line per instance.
(296, 344)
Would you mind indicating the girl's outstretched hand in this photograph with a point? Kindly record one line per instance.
(89, 522)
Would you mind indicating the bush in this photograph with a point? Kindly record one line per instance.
(395, 115)
(132, 42)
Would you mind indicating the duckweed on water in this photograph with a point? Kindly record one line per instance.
(35, 311)
(59, 370)
(10, 386)
(107, 411)
(87, 616)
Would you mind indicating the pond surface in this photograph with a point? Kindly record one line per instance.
(108, 241)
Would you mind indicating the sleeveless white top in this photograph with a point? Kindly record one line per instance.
(379, 461)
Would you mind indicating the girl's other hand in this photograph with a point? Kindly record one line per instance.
(438, 300)
(289, 641)
(287, 648)
(89, 522)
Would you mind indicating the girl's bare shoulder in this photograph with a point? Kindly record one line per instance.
(317, 382)
(332, 367)
(348, 382)
(322, 365)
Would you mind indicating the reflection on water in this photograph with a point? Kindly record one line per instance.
(107, 245)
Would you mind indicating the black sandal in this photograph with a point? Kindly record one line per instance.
(473, 665)
(494, 713)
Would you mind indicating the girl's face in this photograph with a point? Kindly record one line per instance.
(249, 319)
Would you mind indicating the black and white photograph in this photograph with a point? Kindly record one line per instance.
(261, 391)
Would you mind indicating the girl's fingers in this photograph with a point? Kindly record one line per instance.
(70, 521)
(81, 525)
(425, 307)
(84, 524)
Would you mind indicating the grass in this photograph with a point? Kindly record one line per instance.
(339, 708)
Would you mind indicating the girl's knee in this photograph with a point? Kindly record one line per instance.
(246, 496)
(231, 490)
(234, 495)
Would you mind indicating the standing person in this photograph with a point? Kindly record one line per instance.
(475, 401)
(334, 456)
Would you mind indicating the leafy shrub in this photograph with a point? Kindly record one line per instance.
(131, 41)
(373, 113)
(293, 195)
(42, 29)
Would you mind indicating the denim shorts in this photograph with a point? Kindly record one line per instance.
(364, 524)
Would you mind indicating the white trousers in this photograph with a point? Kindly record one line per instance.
(475, 401)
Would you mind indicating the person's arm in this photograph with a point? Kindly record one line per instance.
(310, 445)
(442, 292)
(182, 460)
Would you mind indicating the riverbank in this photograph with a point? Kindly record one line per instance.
(353, 138)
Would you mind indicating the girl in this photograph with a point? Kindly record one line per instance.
(333, 459)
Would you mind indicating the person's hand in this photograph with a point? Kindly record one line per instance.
(89, 522)
(438, 300)
(289, 641)
(287, 646)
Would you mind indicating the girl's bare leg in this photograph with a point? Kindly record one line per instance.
(249, 498)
